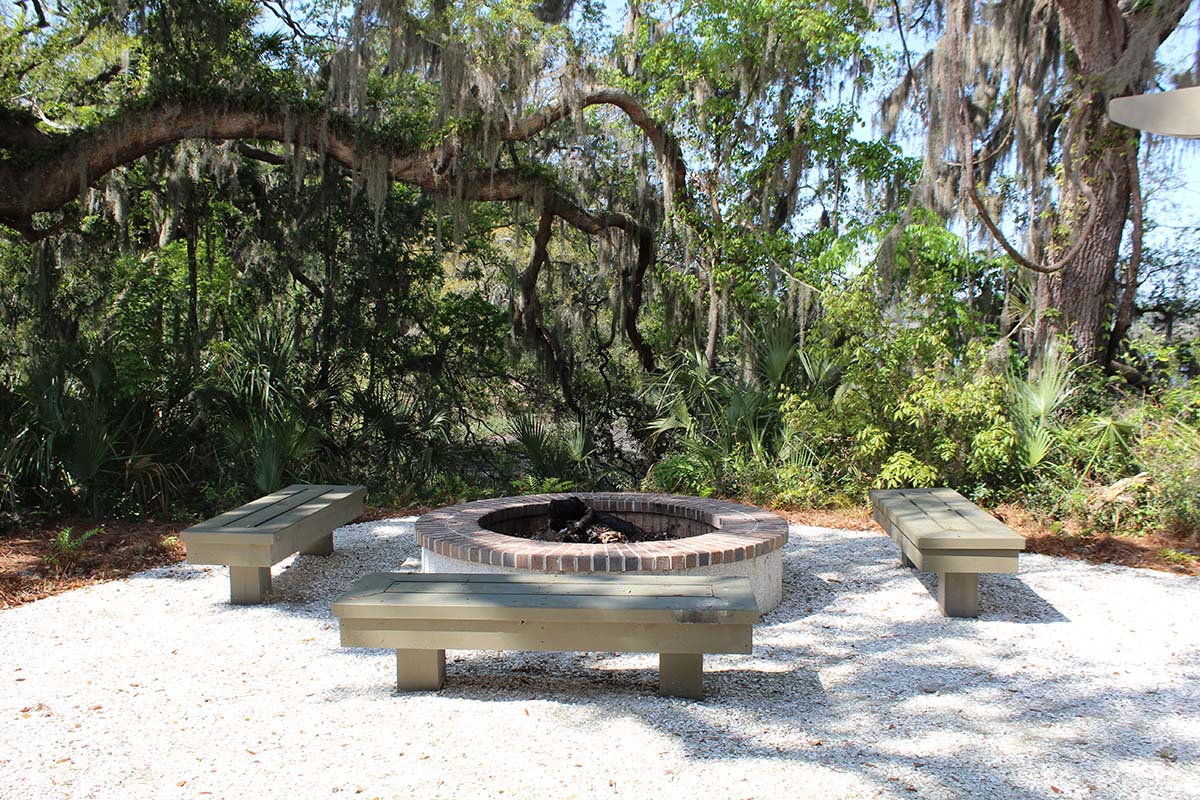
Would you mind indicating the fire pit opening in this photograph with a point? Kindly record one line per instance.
(608, 532)
(576, 521)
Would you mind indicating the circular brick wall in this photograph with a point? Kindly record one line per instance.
(718, 538)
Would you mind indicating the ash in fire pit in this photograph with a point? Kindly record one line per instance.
(575, 522)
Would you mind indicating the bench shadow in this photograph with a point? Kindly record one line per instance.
(303, 580)
(582, 678)
(1004, 598)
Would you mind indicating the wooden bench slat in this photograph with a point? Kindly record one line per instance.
(255, 536)
(285, 508)
(231, 517)
(945, 526)
(506, 607)
(547, 636)
(939, 530)
(272, 517)
(918, 511)
(585, 599)
(421, 615)
(274, 520)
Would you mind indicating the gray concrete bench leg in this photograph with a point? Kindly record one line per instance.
(905, 562)
(958, 594)
(321, 547)
(681, 675)
(420, 670)
(249, 585)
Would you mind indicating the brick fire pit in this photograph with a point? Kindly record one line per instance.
(716, 538)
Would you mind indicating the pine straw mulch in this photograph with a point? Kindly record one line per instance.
(123, 548)
(120, 549)
(1163, 552)
(854, 519)
(1160, 551)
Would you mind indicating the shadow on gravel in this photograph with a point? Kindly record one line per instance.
(310, 579)
(1003, 598)
(915, 720)
(915, 704)
(804, 593)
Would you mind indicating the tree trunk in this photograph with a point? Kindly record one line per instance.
(1078, 299)
(192, 330)
(1112, 55)
(1126, 306)
(714, 318)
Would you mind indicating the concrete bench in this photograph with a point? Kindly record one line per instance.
(252, 538)
(939, 530)
(421, 615)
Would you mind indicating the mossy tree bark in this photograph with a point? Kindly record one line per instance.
(1112, 56)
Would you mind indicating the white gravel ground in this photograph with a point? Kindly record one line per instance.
(1078, 681)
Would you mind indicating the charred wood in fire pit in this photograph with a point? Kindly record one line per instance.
(575, 522)
(564, 512)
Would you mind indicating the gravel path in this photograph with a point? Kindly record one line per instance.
(1078, 681)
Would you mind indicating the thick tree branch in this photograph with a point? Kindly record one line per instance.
(27, 188)
(280, 11)
(1097, 31)
(36, 185)
(969, 184)
(1118, 48)
(1081, 237)
(663, 142)
(71, 165)
(258, 154)
(42, 22)
(903, 41)
(1072, 174)
(20, 133)
(531, 309)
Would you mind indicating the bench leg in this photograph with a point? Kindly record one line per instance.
(249, 585)
(681, 675)
(958, 594)
(905, 561)
(420, 670)
(321, 547)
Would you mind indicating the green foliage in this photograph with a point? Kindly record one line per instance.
(1177, 556)
(532, 484)
(1037, 400)
(66, 548)
(683, 474)
(265, 417)
(1169, 450)
(556, 457)
(724, 425)
(208, 327)
(1108, 444)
